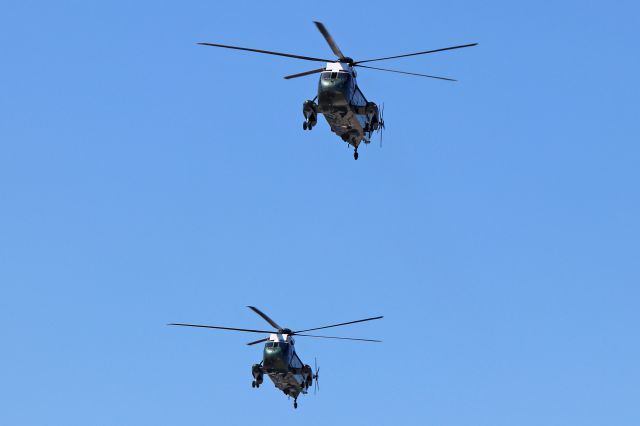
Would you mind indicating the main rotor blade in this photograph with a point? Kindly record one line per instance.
(405, 72)
(341, 338)
(302, 74)
(337, 325)
(332, 44)
(417, 53)
(265, 317)
(288, 55)
(224, 328)
(258, 341)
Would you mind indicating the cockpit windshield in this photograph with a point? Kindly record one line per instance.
(276, 345)
(333, 76)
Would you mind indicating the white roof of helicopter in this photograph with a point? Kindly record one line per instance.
(276, 337)
(337, 67)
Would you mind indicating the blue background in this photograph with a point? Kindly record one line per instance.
(146, 180)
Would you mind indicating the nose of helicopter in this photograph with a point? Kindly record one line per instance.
(333, 89)
(275, 356)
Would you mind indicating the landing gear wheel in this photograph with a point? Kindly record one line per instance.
(257, 385)
(355, 155)
(295, 404)
(304, 125)
(253, 384)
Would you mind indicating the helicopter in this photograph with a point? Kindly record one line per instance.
(279, 358)
(339, 99)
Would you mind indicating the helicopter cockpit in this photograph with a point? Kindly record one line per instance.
(276, 355)
(335, 89)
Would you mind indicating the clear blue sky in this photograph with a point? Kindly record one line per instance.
(145, 180)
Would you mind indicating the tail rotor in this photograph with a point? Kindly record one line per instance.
(316, 385)
(381, 123)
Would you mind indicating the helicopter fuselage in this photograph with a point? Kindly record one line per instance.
(343, 105)
(283, 366)
(340, 99)
(279, 359)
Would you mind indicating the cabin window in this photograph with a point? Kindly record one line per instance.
(334, 75)
(269, 344)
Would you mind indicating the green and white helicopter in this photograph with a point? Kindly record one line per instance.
(339, 98)
(279, 358)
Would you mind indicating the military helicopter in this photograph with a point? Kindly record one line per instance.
(279, 359)
(339, 98)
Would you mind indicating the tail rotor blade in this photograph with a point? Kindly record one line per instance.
(381, 123)
(316, 385)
